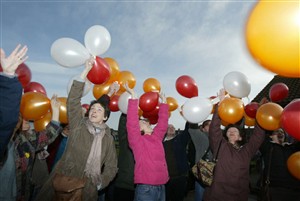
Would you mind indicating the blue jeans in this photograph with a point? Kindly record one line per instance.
(199, 191)
(144, 192)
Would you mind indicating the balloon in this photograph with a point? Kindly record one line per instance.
(148, 101)
(151, 84)
(23, 73)
(152, 113)
(231, 110)
(251, 109)
(186, 86)
(87, 86)
(114, 67)
(97, 40)
(85, 106)
(293, 164)
(63, 115)
(101, 89)
(41, 124)
(290, 119)
(173, 105)
(268, 116)
(100, 71)
(34, 105)
(272, 36)
(68, 52)
(278, 92)
(153, 119)
(126, 76)
(237, 84)
(123, 102)
(113, 103)
(196, 109)
(35, 87)
(249, 121)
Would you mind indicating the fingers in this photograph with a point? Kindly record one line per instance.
(2, 53)
(14, 52)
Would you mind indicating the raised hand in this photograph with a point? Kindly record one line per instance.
(163, 97)
(10, 64)
(89, 63)
(129, 90)
(55, 105)
(114, 87)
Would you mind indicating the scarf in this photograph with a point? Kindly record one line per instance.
(93, 165)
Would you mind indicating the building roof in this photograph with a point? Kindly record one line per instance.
(292, 83)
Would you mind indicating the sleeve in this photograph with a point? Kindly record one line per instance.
(256, 140)
(215, 131)
(162, 124)
(132, 124)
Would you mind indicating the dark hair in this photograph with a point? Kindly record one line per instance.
(104, 102)
(241, 132)
(205, 123)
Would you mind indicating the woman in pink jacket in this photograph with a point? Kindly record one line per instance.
(150, 171)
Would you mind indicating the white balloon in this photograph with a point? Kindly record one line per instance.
(97, 40)
(196, 109)
(237, 84)
(68, 52)
(87, 86)
(123, 102)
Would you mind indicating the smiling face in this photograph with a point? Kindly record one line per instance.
(233, 135)
(278, 136)
(97, 114)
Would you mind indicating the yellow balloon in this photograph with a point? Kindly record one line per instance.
(231, 110)
(114, 67)
(172, 102)
(151, 84)
(100, 89)
(41, 124)
(63, 115)
(272, 36)
(126, 76)
(249, 121)
(268, 116)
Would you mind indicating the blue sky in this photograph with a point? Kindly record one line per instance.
(158, 39)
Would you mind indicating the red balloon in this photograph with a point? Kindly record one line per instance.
(153, 119)
(186, 86)
(148, 101)
(278, 92)
(100, 71)
(23, 73)
(251, 109)
(85, 106)
(151, 113)
(35, 87)
(113, 103)
(290, 119)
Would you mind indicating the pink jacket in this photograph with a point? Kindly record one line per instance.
(150, 162)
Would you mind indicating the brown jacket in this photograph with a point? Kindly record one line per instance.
(77, 151)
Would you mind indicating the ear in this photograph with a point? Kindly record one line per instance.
(105, 118)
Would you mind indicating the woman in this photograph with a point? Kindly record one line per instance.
(90, 153)
(231, 174)
(150, 170)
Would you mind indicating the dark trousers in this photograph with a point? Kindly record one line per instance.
(282, 194)
(176, 188)
(122, 194)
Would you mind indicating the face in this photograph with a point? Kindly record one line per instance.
(25, 125)
(145, 126)
(96, 114)
(233, 135)
(278, 136)
(171, 130)
(206, 127)
(66, 130)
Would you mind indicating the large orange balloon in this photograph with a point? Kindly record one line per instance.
(34, 105)
(100, 89)
(268, 116)
(41, 124)
(293, 164)
(172, 102)
(151, 84)
(248, 120)
(114, 67)
(63, 115)
(272, 35)
(231, 110)
(126, 76)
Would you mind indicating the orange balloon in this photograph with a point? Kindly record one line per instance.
(224, 123)
(63, 115)
(114, 67)
(100, 89)
(231, 110)
(172, 102)
(151, 84)
(272, 35)
(34, 105)
(249, 121)
(41, 124)
(140, 112)
(126, 76)
(268, 116)
(293, 164)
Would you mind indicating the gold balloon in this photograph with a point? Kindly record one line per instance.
(172, 102)
(41, 124)
(114, 67)
(293, 164)
(268, 116)
(63, 115)
(272, 35)
(249, 121)
(126, 76)
(100, 89)
(231, 110)
(151, 84)
(34, 105)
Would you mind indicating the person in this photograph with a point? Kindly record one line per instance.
(275, 152)
(124, 185)
(10, 96)
(199, 137)
(90, 153)
(175, 146)
(231, 173)
(150, 170)
(17, 173)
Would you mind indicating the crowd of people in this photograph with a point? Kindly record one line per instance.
(80, 161)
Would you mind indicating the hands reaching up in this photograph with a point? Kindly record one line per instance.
(88, 66)
(129, 90)
(114, 88)
(163, 97)
(55, 105)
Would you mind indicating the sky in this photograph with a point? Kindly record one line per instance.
(152, 39)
